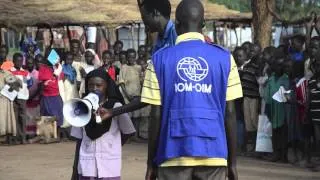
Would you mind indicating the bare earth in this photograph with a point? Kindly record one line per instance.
(54, 162)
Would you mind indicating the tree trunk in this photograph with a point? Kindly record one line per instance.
(262, 21)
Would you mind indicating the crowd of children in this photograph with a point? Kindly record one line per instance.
(293, 69)
(42, 88)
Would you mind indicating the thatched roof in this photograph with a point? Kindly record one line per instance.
(20, 13)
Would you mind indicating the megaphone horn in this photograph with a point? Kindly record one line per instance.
(77, 112)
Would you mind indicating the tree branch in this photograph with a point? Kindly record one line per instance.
(287, 22)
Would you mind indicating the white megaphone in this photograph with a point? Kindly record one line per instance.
(77, 112)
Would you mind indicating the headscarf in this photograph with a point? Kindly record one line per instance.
(26, 43)
(93, 129)
(69, 72)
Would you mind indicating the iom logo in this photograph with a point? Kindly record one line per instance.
(192, 69)
(195, 70)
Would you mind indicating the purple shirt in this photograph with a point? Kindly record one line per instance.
(102, 157)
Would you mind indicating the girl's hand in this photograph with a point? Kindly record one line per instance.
(105, 114)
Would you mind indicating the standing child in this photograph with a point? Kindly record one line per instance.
(51, 103)
(107, 60)
(23, 96)
(86, 68)
(7, 64)
(314, 99)
(129, 80)
(69, 81)
(33, 103)
(98, 152)
(277, 109)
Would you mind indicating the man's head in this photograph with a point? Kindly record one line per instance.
(17, 60)
(142, 52)
(255, 50)
(155, 14)
(89, 57)
(107, 57)
(68, 58)
(240, 56)
(123, 57)
(131, 56)
(189, 16)
(3, 52)
(39, 59)
(75, 47)
(288, 65)
(314, 46)
(30, 63)
(278, 63)
(247, 47)
(267, 54)
(297, 43)
(117, 47)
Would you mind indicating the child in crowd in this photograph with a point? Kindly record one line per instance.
(70, 78)
(117, 48)
(98, 152)
(313, 48)
(51, 103)
(8, 127)
(248, 75)
(7, 64)
(89, 56)
(142, 53)
(276, 113)
(23, 95)
(240, 57)
(123, 57)
(108, 65)
(33, 103)
(129, 80)
(314, 99)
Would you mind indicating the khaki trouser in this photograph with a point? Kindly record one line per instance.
(250, 111)
(192, 173)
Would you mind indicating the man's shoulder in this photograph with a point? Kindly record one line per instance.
(218, 48)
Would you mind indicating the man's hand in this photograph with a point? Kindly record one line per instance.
(151, 173)
(232, 173)
(83, 73)
(104, 113)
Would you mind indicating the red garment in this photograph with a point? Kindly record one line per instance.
(50, 81)
(301, 91)
(112, 72)
(20, 72)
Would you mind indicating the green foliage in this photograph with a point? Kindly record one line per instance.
(287, 9)
(239, 5)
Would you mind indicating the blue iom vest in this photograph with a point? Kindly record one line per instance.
(193, 78)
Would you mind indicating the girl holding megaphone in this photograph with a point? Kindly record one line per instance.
(98, 151)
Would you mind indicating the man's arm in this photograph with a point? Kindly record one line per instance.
(231, 132)
(153, 134)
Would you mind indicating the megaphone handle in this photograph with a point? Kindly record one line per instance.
(98, 119)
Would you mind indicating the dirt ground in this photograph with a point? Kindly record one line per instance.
(54, 162)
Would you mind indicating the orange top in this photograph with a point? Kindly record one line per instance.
(7, 65)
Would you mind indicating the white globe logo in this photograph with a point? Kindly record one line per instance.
(193, 69)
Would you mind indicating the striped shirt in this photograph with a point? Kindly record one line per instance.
(249, 81)
(314, 99)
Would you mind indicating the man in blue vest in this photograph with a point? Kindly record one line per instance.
(194, 85)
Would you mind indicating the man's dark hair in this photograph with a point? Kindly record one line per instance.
(131, 51)
(119, 42)
(300, 38)
(17, 55)
(239, 48)
(246, 43)
(107, 52)
(162, 6)
(75, 41)
(190, 13)
(3, 46)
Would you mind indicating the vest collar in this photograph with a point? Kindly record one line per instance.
(190, 36)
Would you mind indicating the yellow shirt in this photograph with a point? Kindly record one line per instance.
(151, 95)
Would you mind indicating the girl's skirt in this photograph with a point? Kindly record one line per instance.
(52, 106)
(95, 178)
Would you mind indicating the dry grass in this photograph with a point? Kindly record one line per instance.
(19, 13)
